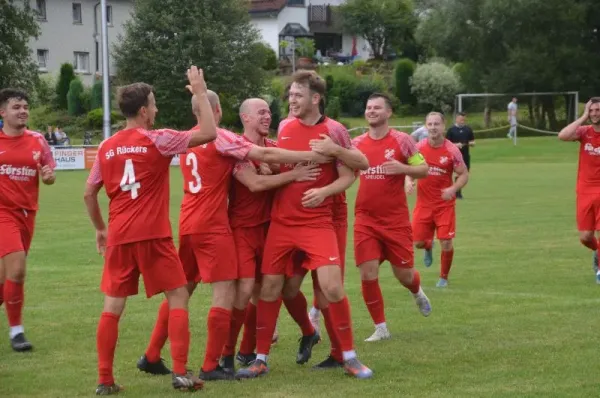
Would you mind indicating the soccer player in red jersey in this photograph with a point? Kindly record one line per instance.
(301, 220)
(250, 200)
(25, 158)
(435, 210)
(588, 175)
(382, 229)
(206, 243)
(133, 166)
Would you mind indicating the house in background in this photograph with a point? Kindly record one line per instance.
(276, 19)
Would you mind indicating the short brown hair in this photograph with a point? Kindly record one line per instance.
(388, 101)
(311, 79)
(6, 94)
(440, 114)
(133, 97)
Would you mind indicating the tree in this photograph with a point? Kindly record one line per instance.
(164, 37)
(435, 84)
(75, 98)
(385, 24)
(18, 25)
(404, 71)
(96, 100)
(67, 74)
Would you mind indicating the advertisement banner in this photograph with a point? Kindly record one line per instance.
(69, 158)
(90, 156)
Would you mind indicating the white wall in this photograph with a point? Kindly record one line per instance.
(325, 2)
(269, 29)
(293, 14)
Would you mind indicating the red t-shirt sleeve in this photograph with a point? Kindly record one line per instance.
(581, 130)
(339, 134)
(457, 157)
(407, 146)
(46, 158)
(170, 142)
(231, 144)
(95, 176)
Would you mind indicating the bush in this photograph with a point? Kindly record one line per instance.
(403, 72)
(93, 119)
(74, 98)
(231, 116)
(436, 85)
(329, 82)
(275, 108)
(264, 54)
(96, 97)
(43, 116)
(277, 87)
(62, 86)
(333, 108)
(45, 92)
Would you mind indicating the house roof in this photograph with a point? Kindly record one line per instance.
(266, 5)
(295, 30)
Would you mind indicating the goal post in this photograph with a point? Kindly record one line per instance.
(541, 114)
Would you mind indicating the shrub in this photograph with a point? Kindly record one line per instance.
(43, 116)
(403, 72)
(62, 86)
(333, 108)
(435, 84)
(96, 97)
(265, 55)
(74, 98)
(93, 118)
(275, 108)
(45, 92)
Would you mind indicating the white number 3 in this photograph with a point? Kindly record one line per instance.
(192, 160)
(128, 182)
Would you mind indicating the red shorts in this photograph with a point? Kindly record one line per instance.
(394, 245)
(588, 212)
(16, 231)
(341, 234)
(155, 259)
(250, 246)
(319, 245)
(208, 257)
(441, 220)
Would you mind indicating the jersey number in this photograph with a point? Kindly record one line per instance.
(128, 182)
(196, 185)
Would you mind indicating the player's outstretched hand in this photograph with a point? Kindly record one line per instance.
(47, 174)
(313, 197)
(324, 146)
(197, 84)
(265, 169)
(409, 186)
(101, 236)
(448, 193)
(307, 172)
(392, 167)
(320, 159)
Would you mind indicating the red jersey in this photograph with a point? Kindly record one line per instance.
(207, 171)
(19, 160)
(246, 208)
(442, 162)
(381, 201)
(287, 205)
(588, 172)
(134, 165)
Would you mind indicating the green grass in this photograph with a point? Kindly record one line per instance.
(519, 318)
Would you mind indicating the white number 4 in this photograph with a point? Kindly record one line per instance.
(128, 182)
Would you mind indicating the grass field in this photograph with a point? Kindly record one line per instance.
(517, 320)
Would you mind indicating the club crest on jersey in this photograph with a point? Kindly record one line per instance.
(443, 159)
(36, 155)
(389, 154)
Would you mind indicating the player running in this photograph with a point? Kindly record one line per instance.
(588, 177)
(25, 158)
(382, 229)
(206, 243)
(301, 220)
(133, 165)
(435, 210)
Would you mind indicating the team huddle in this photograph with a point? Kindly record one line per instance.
(257, 215)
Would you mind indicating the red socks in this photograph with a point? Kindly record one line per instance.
(266, 320)
(336, 352)
(446, 263)
(237, 320)
(374, 300)
(219, 321)
(416, 282)
(159, 334)
(106, 342)
(248, 343)
(13, 297)
(179, 335)
(342, 325)
(591, 244)
(297, 307)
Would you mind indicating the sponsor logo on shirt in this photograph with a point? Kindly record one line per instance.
(436, 171)
(591, 150)
(15, 173)
(374, 173)
(126, 150)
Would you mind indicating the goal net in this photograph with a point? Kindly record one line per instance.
(537, 114)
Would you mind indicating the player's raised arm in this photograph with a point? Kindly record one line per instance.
(90, 197)
(570, 132)
(246, 173)
(278, 155)
(207, 128)
(314, 197)
(338, 145)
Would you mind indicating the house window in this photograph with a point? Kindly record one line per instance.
(42, 58)
(295, 3)
(77, 13)
(81, 63)
(40, 9)
(109, 19)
